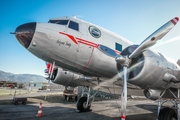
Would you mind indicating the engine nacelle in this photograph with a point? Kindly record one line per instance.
(150, 69)
(68, 78)
(152, 94)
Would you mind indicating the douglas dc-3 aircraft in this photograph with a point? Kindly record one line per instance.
(84, 54)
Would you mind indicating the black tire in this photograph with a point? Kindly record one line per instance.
(76, 98)
(81, 103)
(16, 103)
(65, 97)
(167, 114)
(24, 103)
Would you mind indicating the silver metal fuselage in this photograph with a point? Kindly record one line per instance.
(54, 43)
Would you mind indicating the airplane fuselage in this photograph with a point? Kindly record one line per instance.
(78, 46)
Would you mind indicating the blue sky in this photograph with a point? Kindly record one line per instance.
(133, 19)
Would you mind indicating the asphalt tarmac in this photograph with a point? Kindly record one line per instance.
(137, 109)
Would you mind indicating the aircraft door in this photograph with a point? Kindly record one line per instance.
(73, 31)
(85, 49)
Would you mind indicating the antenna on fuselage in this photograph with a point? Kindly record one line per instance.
(77, 16)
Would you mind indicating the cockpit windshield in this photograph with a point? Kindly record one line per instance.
(61, 22)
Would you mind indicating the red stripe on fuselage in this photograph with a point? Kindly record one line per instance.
(89, 59)
(76, 40)
(93, 45)
(87, 42)
(70, 36)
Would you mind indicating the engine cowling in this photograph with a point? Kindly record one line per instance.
(148, 70)
(68, 78)
(152, 94)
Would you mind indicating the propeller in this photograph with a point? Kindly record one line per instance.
(125, 60)
(118, 77)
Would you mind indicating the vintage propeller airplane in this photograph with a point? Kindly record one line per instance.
(84, 54)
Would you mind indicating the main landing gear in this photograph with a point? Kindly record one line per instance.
(84, 103)
(167, 113)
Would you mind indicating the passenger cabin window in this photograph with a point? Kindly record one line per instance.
(74, 25)
(61, 22)
(118, 47)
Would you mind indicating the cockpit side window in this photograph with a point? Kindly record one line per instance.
(74, 25)
(107, 50)
(61, 22)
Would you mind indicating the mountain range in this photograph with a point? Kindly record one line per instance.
(6, 76)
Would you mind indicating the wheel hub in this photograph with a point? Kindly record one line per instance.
(84, 105)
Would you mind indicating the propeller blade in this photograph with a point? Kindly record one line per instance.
(154, 37)
(118, 77)
(49, 82)
(124, 95)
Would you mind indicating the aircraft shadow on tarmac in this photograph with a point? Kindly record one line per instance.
(8, 112)
(152, 108)
(58, 108)
(61, 111)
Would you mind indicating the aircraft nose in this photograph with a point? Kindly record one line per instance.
(25, 32)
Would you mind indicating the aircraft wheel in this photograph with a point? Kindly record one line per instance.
(76, 98)
(167, 114)
(24, 103)
(16, 103)
(65, 97)
(81, 105)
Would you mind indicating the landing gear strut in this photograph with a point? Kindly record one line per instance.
(84, 103)
(169, 113)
